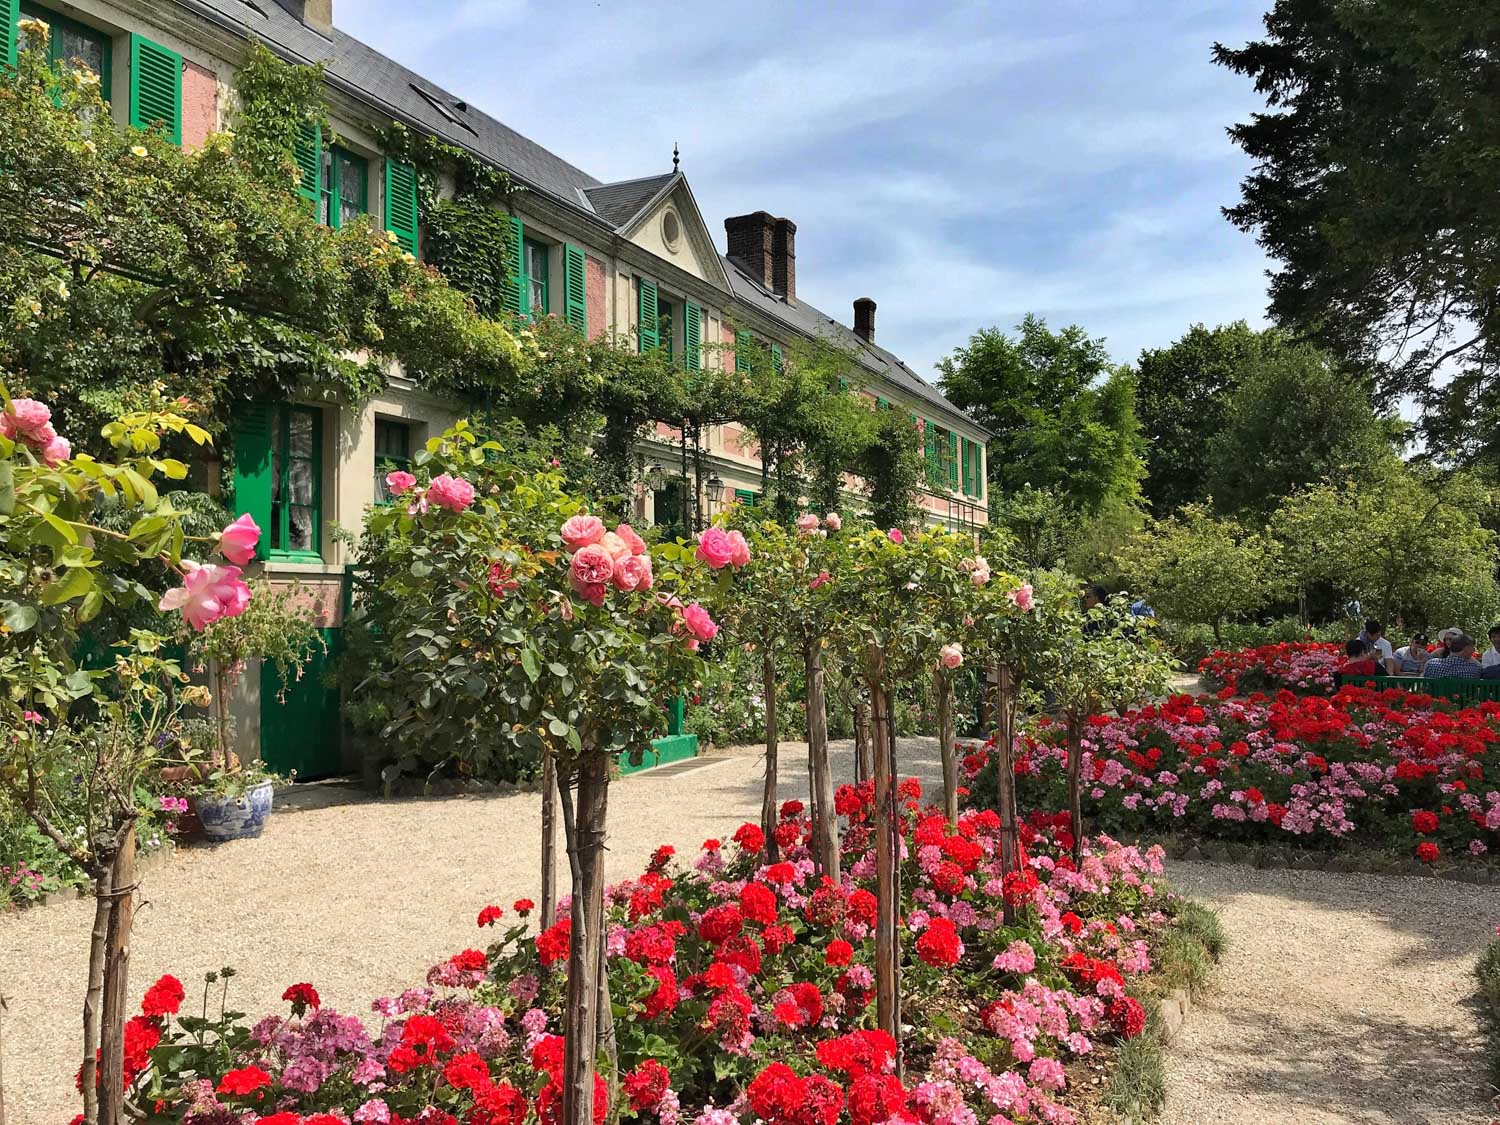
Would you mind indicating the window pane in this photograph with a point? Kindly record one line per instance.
(538, 297)
(351, 180)
(300, 535)
(299, 482)
(300, 434)
(73, 49)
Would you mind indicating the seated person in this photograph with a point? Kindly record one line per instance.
(1359, 660)
(1459, 662)
(1491, 657)
(1374, 636)
(1413, 657)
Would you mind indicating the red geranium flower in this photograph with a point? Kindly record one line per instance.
(552, 943)
(758, 903)
(1424, 822)
(750, 838)
(646, 1084)
(163, 998)
(302, 996)
(1427, 851)
(839, 953)
(490, 915)
(246, 1080)
(939, 944)
(523, 906)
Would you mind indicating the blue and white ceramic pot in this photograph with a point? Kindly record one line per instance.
(235, 818)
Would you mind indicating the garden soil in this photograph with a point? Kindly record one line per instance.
(1343, 1000)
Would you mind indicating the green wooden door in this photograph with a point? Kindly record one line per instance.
(303, 730)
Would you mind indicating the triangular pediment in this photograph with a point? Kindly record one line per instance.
(669, 225)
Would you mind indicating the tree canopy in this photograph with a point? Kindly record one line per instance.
(1374, 189)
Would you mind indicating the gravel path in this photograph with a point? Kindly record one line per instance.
(359, 897)
(1344, 1000)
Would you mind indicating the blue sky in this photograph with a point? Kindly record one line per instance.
(962, 164)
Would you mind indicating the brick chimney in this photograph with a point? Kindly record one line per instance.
(316, 14)
(864, 319)
(784, 259)
(751, 242)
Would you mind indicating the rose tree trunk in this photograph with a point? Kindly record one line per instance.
(1075, 787)
(1005, 776)
(117, 980)
(825, 820)
(942, 685)
(768, 798)
(586, 950)
(887, 885)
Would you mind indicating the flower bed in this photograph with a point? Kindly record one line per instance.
(1305, 666)
(744, 990)
(1391, 770)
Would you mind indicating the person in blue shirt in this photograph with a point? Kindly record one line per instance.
(1459, 663)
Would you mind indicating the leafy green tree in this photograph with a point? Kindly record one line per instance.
(1181, 396)
(1062, 417)
(1371, 189)
(1194, 567)
(893, 471)
(1296, 417)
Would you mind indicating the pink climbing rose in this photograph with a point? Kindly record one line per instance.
(895, 536)
(618, 548)
(27, 420)
(237, 542)
(453, 493)
(699, 623)
(823, 576)
(1022, 597)
(715, 548)
(636, 543)
(951, 656)
(56, 451)
(979, 569)
(833, 521)
(741, 554)
(634, 573)
(399, 482)
(581, 531)
(591, 566)
(807, 523)
(208, 592)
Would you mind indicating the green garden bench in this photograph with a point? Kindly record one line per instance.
(1456, 689)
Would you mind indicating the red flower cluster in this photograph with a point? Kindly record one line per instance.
(1126, 1016)
(552, 943)
(939, 944)
(490, 915)
(164, 997)
(645, 1085)
(302, 997)
(779, 1097)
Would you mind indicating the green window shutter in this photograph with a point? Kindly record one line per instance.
(155, 87)
(776, 360)
(952, 461)
(650, 328)
(575, 289)
(10, 16)
(979, 448)
(401, 205)
(251, 429)
(309, 156)
(745, 497)
(966, 467)
(514, 296)
(742, 351)
(692, 337)
(843, 384)
(881, 403)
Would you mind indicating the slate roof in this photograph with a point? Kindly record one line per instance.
(621, 202)
(371, 76)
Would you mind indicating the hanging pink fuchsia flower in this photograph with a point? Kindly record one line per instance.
(823, 576)
(699, 623)
(56, 451)
(237, 541)
(741, 554)
(1022, 597)
(636, 544)
(399, 482)
(453, 493)
(634, 573)
(807, 523)
(951, 656)
(581, 531)
(715, 548)
(590, 572)
(208, 592)
(895, 536)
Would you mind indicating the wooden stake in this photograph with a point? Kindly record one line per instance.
(825, 820)
(1075, 787)
(585, 950)
(549, 838)
(1005, 778)
(942, 686)
(117, 980)
(864, 763)
(773, 749)
(887, 887)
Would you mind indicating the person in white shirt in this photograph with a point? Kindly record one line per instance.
(1492, 654)
(1374, 636)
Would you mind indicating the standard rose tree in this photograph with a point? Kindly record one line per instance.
(65, 567)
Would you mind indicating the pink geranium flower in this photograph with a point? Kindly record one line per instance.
(207, 593)
(582, 531)
(453, 493)
(237, 542)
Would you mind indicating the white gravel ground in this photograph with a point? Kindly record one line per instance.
(1343, 1000)
(357, 896)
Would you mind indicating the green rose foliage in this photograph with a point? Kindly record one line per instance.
(481, 654)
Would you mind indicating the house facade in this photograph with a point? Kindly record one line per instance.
(634, 259)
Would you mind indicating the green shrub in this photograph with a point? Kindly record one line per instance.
(1137, 1087)
(1202, 923)
(1191, 643)
(1184, 962)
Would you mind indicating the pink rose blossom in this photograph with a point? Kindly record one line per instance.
(979, 570)
(951, 656)
(582, 531)
(699, 623)
(399, 482)
(1022, 598)
(832, 521)
(207, 593)
(715, 548)
(27, 420)
(741, 554)
(807, 523)
(591, 567)
(895, 536)
(823, 576)
(56, 451)
(237, 541)
(636, 543)
(453, 493)
(634, 573)
(618, 549)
